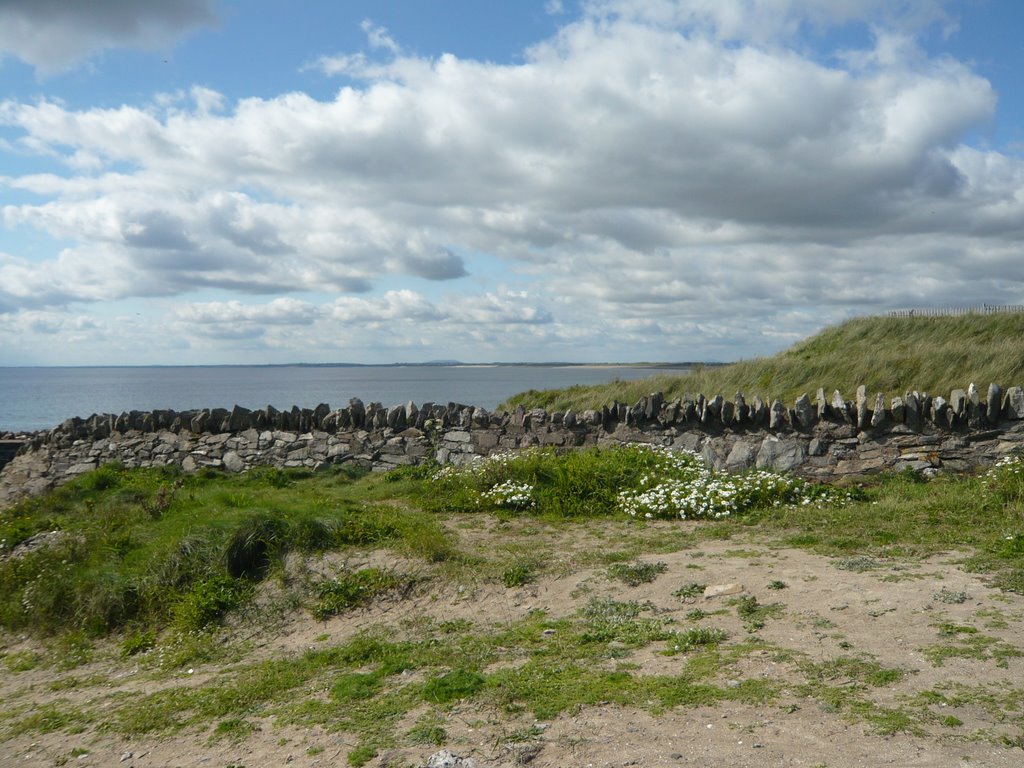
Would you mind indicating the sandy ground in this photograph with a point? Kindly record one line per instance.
(890, 612)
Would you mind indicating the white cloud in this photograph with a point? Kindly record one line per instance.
(379, 37)
(51, 35)
(643, 175)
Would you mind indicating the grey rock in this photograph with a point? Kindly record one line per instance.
(806, 414)
(994, 410)
(722, 590)
(742, 409)
(939, 408)
(958, 403)
(878, 414)
(357, 412)
(759, 411)
(233, 462)
(742, 456)
(446, 759)
(780, 455)
(975, 412)
(728, 413)
(912, 417)
(653, 406)
(898, 410)
(839, 407)
(1014, 405)
(777, 417)
(396, 417)
(861, 407)
(821, 404)
(714, 454)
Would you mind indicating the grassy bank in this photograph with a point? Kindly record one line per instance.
(886, 354)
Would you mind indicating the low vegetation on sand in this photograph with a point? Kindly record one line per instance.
(885, 354)
(186, 588)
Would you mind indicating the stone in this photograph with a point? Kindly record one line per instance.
(939, 407)
(994, 409)
(653, 406)
(728, 413)
(713, 410)
(396, 417)
(912, 417)
(821, 404)
(958, 403)
(233, 462)
(446, 759)
(806, 414)
(759, 412)
(898, 410)
(1014, 404)
(721, 590)
(357, 412)
(777, 416)
(839, 407)
(742, 456)
(714, 454)
(817, 447)
(975, 412)
(670, 412)
(861, 407)
(742, 409)
(238, 419)
(878, 414)
(689, 409)
(780, 455)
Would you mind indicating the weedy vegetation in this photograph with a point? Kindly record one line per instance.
(156, 569)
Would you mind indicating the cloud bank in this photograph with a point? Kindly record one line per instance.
(52, 35)
(658, 180)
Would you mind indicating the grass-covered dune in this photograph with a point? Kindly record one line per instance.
(886, 354)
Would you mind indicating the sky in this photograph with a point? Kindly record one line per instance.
(378, 181)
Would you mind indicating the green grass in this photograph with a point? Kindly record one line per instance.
(217, 537)
(114, 566)
(891, 355)
(113, 563)
(635, 574)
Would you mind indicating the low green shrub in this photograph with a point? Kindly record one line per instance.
(350, 589)
(207, 602)
(639, 480)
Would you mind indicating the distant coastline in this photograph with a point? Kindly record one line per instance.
(43, 396)
(429, 364)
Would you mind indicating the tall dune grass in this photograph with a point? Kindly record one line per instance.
(886, 354)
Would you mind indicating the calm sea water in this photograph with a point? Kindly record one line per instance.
(40, 398)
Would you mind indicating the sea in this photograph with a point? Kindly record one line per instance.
(40, 398)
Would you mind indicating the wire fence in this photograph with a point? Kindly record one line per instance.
(984, 309)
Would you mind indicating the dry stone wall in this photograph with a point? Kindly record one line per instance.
(827, 438)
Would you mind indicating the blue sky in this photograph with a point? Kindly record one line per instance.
(208, 181)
